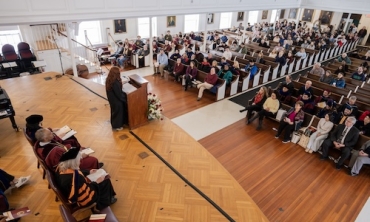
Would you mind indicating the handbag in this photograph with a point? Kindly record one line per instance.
(296, 137)
(303, 141)
(280, 113)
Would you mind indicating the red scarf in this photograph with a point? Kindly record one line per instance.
(258, 98)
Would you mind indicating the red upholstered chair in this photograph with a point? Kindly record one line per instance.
(9, 53)
(25, 55)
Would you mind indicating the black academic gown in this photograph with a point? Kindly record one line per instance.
(118, 105)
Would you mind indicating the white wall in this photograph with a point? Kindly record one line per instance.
(131, 27)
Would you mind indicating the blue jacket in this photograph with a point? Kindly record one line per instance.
(228, 76)
(253, 70)
(340, 83)
(224, 38)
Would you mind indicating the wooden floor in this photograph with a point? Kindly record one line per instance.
(147, 190)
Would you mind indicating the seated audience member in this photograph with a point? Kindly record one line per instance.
(292, 120)
(198, 55)
(235, 69)
(168, 36)
(317, 69)
(127, 52)
(252, 69)
(273, 54)
(328, 109)
(227, 54)
(69, 176)
(278, 48)
(344, 138)
(211, 37)
(223, 62)
(363, 126)
(322, 131)
(327, 78)
(344, 57)
(210, 58)
(189, 53)
(259, 58)
(286, 90)
(139, 43)
(50, 150)
(263, 44)
(225, 74)
(269, 109)
(343, 68)
(142, 54)
(351, 102)
(359, 158)
(176, 55)
(34, 123)
(205, 66)
(311, 46)
(306, 88)
(190, 74)
(193, 59)
(178, 70)
(359, 75)
(9, 181)
(257, 104)
(161, 39)
(339, 82)
(302, 53)
(244, 49)
(308, 103)
(224, 38)
(215, 65)
(155, 47)
(167, 47)
(305, 44)
(209, 81)
(119, 51)
(162, 62)
(184, 59)
(290, 57)
(241, 27)
(341, 116)
(366, 56)
(235, 47)
(280, 59)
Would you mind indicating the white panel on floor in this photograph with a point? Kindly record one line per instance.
(209, 119)
(364, 215)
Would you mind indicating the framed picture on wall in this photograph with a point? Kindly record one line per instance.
(171, 21)
(210, 18)
(120, 26)
(293, 13)
(282, 13)
(325, 17)
(240, 16)
(307, 15)
(264, 14)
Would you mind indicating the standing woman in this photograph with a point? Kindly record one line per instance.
(317, 138)
(117, 99)
(257, 104)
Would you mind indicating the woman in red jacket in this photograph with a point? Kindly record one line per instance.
(209, 82)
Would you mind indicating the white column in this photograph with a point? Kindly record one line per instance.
(299, 15)
(205, 33)
(276, 19)
(71, 50)
(245, 22)
(150, 42)
(348, 18)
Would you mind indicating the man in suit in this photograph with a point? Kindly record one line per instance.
(171, 22)
(343, 138)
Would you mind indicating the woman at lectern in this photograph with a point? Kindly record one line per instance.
(117, 99)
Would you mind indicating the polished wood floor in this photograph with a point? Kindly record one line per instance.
(147, 190)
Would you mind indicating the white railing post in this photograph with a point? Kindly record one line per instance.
(71, 50)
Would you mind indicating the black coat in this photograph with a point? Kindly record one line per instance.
(118, 105)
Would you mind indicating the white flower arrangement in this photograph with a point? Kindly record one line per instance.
(154, 107)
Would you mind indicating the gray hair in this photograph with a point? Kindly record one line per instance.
(354, 98)
(41, 134)
(317, 63)
(352, 119)
(73, 164)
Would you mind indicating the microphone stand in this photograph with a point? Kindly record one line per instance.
(60, 53)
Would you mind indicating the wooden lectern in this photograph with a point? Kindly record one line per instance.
(137, 102)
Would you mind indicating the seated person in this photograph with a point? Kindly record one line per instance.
(308, 103)
(269, 109)
(244, 49)
(278, 48)
(322, 131)
(190, 75)
(292, 120)
(168, 36)
(290, 57)
(359, 75)
(359, 158)
(126, 56)
(327, 78)
(142, 53)
(209, 81)
(328, 109)
(339, 82)
(364, 126)
(343, 68)
(86, 192)
(344, 57)
(9, 181)
(344, 138)
(198, 55)
(341, 116)
(302, 53)
(273, 54)
(306, 88)
(257, 104)
(351, 103)
(252, 69)
(263, 44)
(210, 58)
(235, 69)
(223, 62)
(185, 59)
(189, 53)
(225, 74)
(162, 62)
(280, 58)
(214, 65)
(325, 97)
(119, 51)
(224, 38)
(205, 66)
(34, 123)
(259, 58)
(286, 90)
(193, 59)
(139, 43)
(50, 150)
(317, 69)
(178, 70)
(227, 54)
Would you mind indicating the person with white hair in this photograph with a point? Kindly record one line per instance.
(344, 57)
(343, 138)
(317, 69)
